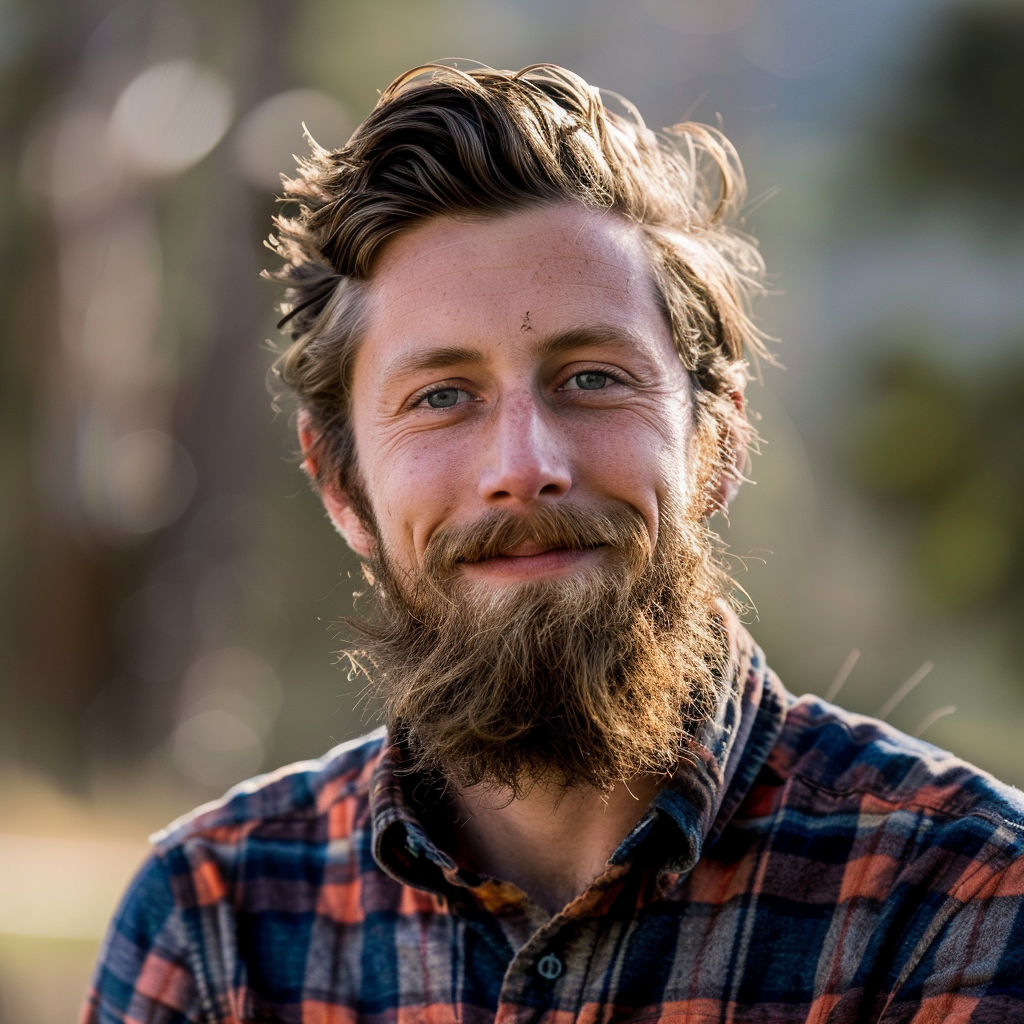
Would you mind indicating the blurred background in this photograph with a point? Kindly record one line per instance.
(168, 583)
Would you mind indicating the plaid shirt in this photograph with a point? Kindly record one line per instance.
(806, 864)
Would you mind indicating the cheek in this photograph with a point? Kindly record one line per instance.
(633, 458)
(402, 475)
(414, 486)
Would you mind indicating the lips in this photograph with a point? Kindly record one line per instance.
(526, 562)
(528, 550)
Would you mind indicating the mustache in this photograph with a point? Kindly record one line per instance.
(569, 527)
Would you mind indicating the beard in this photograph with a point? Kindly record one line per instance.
(588, 680)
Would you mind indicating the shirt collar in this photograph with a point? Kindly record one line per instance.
(722, 759)
(718, 767)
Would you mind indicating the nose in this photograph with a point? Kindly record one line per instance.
(527, 457)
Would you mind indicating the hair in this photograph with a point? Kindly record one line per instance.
(444, 141)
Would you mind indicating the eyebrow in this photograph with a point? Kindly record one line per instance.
(554, 344)
(589, 334)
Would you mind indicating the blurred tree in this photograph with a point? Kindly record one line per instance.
(958, 132)
(949, 450)
(353, 49)
(71, 673)
(37, 48)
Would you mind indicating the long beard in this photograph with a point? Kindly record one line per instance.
(588, 680)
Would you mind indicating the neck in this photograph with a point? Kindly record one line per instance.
(553, 842)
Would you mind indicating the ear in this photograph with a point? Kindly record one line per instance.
(738, 459)
(336, 503)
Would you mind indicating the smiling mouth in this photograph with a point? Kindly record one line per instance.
(530, 550)
(526, 561)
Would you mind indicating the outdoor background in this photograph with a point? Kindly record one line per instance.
(167, 581)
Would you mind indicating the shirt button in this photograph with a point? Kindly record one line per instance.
(549, 967)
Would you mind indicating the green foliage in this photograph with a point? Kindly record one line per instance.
(948, 449)
(353, 49)
(959, 129)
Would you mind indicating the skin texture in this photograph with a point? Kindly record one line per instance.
(540, 338)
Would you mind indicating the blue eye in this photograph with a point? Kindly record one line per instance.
(591, 380)
(443, 399)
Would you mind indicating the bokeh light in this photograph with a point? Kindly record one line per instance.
(170, 116)
(271, 136)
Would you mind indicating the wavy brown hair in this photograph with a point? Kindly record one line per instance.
(447, 141)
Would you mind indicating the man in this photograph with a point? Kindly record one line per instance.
(519, 333)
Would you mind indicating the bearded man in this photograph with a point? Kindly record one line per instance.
(520, 342)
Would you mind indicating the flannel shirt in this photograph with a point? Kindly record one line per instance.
(803, 864)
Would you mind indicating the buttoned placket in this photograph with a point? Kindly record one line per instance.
(538, 978)
(550, 970)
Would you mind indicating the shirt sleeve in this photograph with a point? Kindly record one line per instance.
(973, 969)
(143, 975)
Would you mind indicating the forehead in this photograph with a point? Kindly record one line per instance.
(546, 270)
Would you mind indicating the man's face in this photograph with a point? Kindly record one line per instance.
(532, 489)
(512, 364)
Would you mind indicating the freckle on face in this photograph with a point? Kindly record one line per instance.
(490, 293)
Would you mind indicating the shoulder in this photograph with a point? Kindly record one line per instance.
(264, 840)
(144, 971)
(852, 763)
(298, 798)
